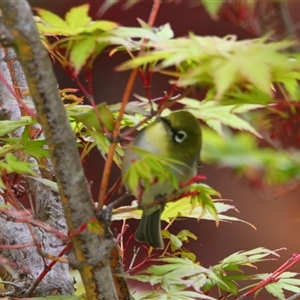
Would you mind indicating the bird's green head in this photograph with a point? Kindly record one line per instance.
(184, 138)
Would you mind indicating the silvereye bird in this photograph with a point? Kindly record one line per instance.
(177, 136)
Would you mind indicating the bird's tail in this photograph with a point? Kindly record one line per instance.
(149, 230)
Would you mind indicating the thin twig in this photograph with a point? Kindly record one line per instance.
(274, 277)
(113, 145)
(134, 256)
(130, 130)
(125, 99)
(25, 217)
(294, 297)
(10, 283)
(45, 271)
(16, 246)
(113, 189)
(19, 100)
(145, 260)
(120, 236)
(154, 12)
(7, 294)
(90, 99)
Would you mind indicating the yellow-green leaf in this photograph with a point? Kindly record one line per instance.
(224, 76)
(52, 19)
(9, 126)
(81, 51)
(90, 119)
(78, 17)
(212, 6)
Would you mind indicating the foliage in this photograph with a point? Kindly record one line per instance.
(84, 41)
(176, 274)
(240, 80)
(241, 151)
(221, 63)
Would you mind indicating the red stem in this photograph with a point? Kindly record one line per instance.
(19, 100)
(193, 180)
(168, 96)
(125, 99)
(274, 277)
(48, 268)
(138, 265)
(12, 216)
(113, 189)
(89, 97)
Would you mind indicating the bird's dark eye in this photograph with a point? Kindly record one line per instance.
(180, 136)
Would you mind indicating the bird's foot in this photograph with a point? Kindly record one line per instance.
(105, 214)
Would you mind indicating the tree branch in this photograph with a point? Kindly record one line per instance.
(25, 255)
(90, 253)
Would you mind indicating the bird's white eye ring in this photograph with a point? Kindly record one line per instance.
(180, 136)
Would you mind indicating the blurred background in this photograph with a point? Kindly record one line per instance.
(274, 211)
